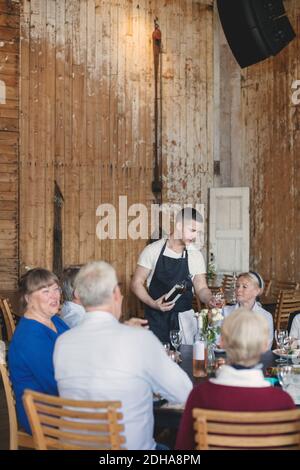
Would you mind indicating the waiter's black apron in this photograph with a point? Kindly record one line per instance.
(168, 272)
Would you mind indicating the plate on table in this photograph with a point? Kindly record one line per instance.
(291, 354)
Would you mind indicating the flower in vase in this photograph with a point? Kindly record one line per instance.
(211, 271)
(210, 323)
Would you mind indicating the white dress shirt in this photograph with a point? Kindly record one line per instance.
(102, 359)
(295, 328)
(71, 313)
(228, 309)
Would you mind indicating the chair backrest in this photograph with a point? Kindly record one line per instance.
(227, 430)
(267, 288)
(60, 423)
(228, 286)
(227, 282)
(16, 438)
(278, 286)
(288, 301)
(13, 427)
(9, 318)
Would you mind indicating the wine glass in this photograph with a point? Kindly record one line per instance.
(287, 344)
(280, 337)
(284, 375)
(219, 299)
(176, 338)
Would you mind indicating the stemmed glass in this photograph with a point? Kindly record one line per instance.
(176, 338)
(220, 302)
(280, 337)
(219, 299)
(284, 375)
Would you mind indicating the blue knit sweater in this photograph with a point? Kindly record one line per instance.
(30, 361)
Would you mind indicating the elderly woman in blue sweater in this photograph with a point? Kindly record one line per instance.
(31, 349)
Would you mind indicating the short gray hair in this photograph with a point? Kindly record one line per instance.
(67, 281)
(245, 334)
(95, 283)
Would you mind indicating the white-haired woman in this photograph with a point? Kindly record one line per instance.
(249, 286)
(239, 385)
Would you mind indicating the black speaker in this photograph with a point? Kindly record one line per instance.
(255, 29)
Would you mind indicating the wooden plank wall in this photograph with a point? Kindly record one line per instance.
(87, 93)
(9, 138)
(188, 97)
(260, 146)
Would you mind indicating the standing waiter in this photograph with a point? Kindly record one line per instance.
(165, 263)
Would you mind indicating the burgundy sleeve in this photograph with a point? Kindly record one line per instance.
(286, 401)
(185, 436)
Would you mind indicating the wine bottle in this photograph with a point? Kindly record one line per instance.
(175, 293)
(200, 352)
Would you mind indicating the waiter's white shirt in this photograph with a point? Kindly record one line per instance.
(228, 309)
(150, 254)
(102, 359)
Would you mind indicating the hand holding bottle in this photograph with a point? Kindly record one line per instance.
(176, 292)
(162, 305)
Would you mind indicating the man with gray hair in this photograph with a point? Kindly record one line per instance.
(102, 359)
(72, 311)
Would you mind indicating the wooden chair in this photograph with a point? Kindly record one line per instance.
(215, 289)
(59, 423)
(227, 281)
(267, 288)
(287, 303)
(229, 430)
(17, 438)
(9, 317)
(278, 286)
(228, 285)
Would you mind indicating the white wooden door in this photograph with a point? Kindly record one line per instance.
(229, 229)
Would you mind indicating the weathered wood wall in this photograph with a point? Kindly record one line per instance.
(188, 102)
(9, 138)
(259, 147)
(86, 121)
(86, 118)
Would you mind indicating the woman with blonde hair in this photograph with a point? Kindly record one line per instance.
(249, 286)
(240, 384)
